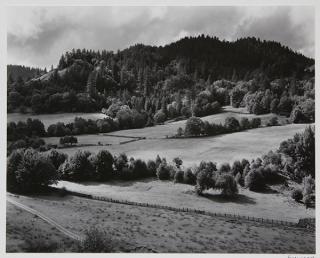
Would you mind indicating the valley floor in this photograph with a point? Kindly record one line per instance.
(156, 229)
(277, 205)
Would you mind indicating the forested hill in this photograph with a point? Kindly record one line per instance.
(204, 57)
(25, 72)
(191, 76)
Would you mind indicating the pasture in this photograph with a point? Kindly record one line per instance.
(276, 204)
(223, 148)
(169, 231)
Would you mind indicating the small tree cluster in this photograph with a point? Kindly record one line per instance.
(68, 140)
(29, 171)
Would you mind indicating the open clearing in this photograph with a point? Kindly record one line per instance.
(48, 119)
(167, 231)
(278, 206)
(223, 148)
(169, 129)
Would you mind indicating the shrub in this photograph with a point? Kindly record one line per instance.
(273, 121)
(308, 185)
(163, 172)
(205, 181)
(255, 122)
(239, 179)
(152, 168)
(78, 167)
(103, 165)
(236, 168)
(40, 246)
(96, 241)
(159, 117)
(224, 168)
(227, 184)
(57, 158)
(297, 195)
(179, 176)
(254, 180)
(308, 200)
(194, 126)
(178, 162)
(244, 123)
(189, 177)
(231, 124)
(139, 169)
(68, 140)
(120, 162)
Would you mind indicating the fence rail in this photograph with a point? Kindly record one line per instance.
(305, 222)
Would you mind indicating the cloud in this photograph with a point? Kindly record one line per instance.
(38, 36)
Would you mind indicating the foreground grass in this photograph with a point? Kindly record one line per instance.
(26, 232)
(276, 204)
(166, 231)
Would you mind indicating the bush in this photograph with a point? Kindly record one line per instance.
(78, 167)
(297, 195)
(28, 171)
(68, 140)
(152, 168)
(103, 165)
(255, 122)
(189, 177)
(244, 123)
(178, 162)
(308, 200)
(273, 121)
(224, 168)
(96, 241)
(227, 184)
(232, 124)
(254, 180)
(179, 176)
(205, 181)
(57, 158)
(139, 169)
(159, 117)
(194, 126)
(163, 172)
(236, 168)
(40, 246)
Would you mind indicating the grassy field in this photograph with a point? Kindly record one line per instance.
(48, 119)
(224, 148)
(271, 205)
(28, 233)
(169, 129)
(90, 139)
(167, 231)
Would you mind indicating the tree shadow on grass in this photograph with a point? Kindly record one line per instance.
(123, 183)
(239, 198)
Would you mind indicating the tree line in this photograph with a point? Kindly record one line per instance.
(197, 127)
(28, 170)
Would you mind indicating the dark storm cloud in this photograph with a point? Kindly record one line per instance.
(38, 36)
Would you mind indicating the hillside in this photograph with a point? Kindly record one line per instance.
(193, 76)
(25, 72)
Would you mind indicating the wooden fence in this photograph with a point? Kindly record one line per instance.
(301, 223)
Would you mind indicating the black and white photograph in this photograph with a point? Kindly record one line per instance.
(160, 129)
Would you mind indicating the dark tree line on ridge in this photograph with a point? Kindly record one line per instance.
(193, 76)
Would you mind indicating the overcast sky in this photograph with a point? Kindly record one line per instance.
(37, 36)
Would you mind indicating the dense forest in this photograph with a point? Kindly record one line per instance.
(193, 76)
(24, 72)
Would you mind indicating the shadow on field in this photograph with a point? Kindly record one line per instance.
(239, 198)
(118, 182)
